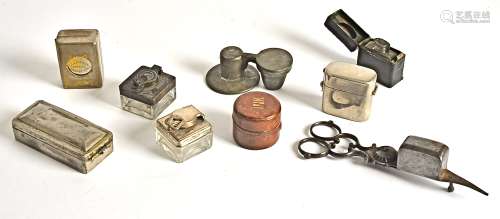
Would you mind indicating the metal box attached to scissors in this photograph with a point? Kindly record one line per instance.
(348, 90)
(80, 62)
(63, 136)
(374, 53)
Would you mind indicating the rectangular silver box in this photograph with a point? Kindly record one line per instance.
(63, 136)
(184, 133)
(348, 91)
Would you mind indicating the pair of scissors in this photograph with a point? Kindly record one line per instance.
(384, 155)
(415, 152)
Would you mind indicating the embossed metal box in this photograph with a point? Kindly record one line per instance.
(184, 133)
(147, 92)
(423, 157)
(374, 53)
(256, 120)
(348, 90)
(79, 55)
(63, 136)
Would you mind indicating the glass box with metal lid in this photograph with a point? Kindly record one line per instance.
(63, 136)
(184, 133)
(147, 92)
(348, 91)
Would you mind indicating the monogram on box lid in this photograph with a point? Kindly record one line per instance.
(63, 136)
(348, 90)
(374, 53)
(256, 120)
(184, 133)
(147, 92)
(79, 55)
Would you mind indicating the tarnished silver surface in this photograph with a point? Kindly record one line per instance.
(233, 75)
(374, 53)
(348, 91)
(63, 136)
(80, 61)
(184, 133)
(422, 157)
(417, 155)
(147, 92)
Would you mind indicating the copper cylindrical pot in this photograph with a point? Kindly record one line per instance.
(256, 120)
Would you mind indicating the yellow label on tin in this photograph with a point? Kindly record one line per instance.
(79, 65)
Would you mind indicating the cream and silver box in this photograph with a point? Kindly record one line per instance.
(348, 90)
(63, 136)
(80, 61)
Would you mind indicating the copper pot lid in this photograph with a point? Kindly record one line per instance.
(257, 106)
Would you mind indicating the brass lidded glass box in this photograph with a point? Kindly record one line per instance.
(184, 133)
(63, 136)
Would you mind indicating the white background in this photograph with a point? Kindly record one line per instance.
(450, 94)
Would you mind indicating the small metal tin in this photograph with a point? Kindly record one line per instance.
(184, 133)
(256, 120)
(147, 92)
(63, 136)
(233, 75)
(79, 55)
(348, 91)
(374, 53)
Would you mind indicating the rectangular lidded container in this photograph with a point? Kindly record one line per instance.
(374, 53)
(63, 136)
(184, 133)
(147, 91)
(348, 91)
(79, 56)
(423, 157)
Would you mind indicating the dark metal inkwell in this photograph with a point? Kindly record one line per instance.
(417, 155)
(233, 75)
(374, 53)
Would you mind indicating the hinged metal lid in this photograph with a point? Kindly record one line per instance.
(350, 78)
(147, 85)
(60, 128)
(185, 124)
(346, 29)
